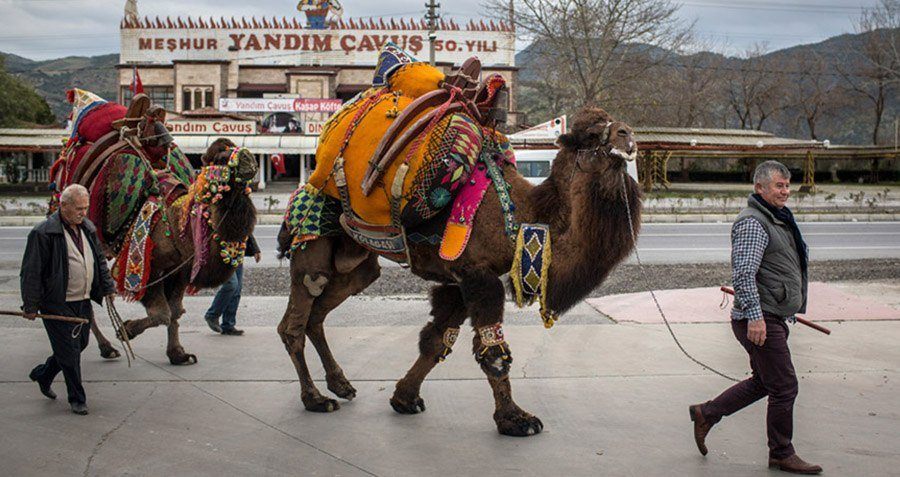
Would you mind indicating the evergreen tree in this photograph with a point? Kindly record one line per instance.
(20, 105)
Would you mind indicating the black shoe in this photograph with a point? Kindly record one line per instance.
(79, 408)
(45, 387)
(213, 324)
(233, 332)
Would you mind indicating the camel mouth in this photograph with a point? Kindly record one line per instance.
(616, 152)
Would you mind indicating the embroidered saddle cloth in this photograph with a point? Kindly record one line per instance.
(407, 147)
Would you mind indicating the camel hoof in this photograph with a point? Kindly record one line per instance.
(108, 352)
(183, 359)
(417, 406)
(320, 404)
(519, 424)
(342, 388)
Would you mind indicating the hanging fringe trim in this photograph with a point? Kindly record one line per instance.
(133, 263)
(530, 272)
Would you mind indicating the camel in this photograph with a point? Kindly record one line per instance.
(127, 157)
(233, 216)
(582, 202)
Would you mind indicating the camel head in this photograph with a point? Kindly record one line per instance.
(225, 177)
(598, 143)
(240, 161)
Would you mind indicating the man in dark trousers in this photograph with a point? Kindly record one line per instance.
(62, 271)
(769, 271)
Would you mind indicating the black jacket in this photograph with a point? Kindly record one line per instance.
(252, 248)
(45, 267)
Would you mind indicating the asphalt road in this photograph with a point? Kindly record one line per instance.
(657, 244)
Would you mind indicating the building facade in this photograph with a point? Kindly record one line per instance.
(287, 66)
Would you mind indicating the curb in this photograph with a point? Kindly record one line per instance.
(647, 218)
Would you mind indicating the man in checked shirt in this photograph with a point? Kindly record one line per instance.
(769, 271)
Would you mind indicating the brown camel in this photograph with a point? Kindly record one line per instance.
(232, 218)
(582, 202)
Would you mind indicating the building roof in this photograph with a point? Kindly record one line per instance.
(727, 139)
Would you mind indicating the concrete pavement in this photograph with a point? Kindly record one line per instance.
(613, 399)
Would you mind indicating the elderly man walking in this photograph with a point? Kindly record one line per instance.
(62, 271)
(769, 268)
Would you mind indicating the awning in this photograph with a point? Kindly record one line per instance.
(52, 140)
(260, 144)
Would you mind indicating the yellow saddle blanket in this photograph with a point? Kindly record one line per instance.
(380, 107)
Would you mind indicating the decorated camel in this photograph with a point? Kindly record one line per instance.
(168, 231)
(415, 171)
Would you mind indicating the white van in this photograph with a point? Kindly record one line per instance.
(534, 164)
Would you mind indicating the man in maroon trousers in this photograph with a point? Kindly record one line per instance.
(769, 267)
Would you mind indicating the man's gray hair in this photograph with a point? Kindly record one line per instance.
(72, 191)
(763, 173)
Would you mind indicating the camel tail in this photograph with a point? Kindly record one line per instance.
(284, 241)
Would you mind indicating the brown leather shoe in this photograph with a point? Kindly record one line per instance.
(795, 465)
(701, 427)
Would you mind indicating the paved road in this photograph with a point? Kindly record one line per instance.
(658, 243)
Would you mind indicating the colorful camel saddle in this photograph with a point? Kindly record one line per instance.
(129, 187)
(402, 152)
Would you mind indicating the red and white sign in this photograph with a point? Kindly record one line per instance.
(313, 128)
(275, 105)
(233, 128)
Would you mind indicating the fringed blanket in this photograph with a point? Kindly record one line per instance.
(134, 262)
(311, 214)
(530, 273)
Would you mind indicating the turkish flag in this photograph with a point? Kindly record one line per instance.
(278, 163)
(136, 86)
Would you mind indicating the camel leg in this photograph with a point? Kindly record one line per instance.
(106, 348)
(338, 290)
(435, 342)
(174, 350)
(311, 270)
(484, 295)
(158, 312)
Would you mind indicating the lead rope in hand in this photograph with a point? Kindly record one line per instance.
(119, 327)
(652, 294)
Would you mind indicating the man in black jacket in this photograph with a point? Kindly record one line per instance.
(63, 269)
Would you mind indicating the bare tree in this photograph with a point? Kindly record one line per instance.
(812, 93)
(873, 69)
(597, 44)
(755, 88)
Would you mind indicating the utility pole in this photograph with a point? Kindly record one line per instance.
(432, 17)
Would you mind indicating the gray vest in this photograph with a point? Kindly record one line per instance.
(781, 283)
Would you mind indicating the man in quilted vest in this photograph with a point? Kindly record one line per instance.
(769, 271)
(63, 269)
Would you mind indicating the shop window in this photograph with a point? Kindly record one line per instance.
(196, 97)
(163, 96)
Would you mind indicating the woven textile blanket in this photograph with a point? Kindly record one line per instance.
(407, 83)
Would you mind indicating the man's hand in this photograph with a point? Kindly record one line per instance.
(257, 256)
(30, 316)
(756, 332)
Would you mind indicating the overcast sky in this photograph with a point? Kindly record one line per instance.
(43, 29)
